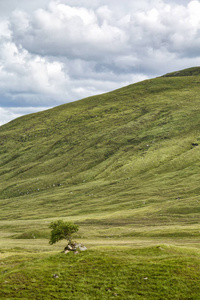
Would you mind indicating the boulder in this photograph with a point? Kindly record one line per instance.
(75, 247)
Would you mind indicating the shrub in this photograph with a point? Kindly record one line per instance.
(62, 230)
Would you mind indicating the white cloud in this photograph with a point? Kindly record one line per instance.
(7, 115)
(100, 34)
(25, 78)
(53, 52)
(4, 30)
(73, 32)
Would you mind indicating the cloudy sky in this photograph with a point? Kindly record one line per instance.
(57, 51)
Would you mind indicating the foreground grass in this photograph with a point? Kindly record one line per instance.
(159, 272)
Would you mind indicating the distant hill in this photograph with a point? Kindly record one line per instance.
(195, 71)
(131, 155)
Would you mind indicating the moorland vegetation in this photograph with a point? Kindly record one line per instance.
(125, 167)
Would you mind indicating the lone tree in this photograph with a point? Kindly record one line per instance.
(62, 230)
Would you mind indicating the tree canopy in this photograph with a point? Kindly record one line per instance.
(62, 230)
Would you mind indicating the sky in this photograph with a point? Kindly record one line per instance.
(58, 51)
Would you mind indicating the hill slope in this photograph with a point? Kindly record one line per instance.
(131, 155)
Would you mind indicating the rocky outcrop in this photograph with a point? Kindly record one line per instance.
(75, 247)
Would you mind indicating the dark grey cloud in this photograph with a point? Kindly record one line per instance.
(54, 52)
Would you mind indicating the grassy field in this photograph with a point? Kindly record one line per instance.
(124, 166)
(124, 262)
(156, 272)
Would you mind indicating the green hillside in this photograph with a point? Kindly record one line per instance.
(124, 166)
(128, 156)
